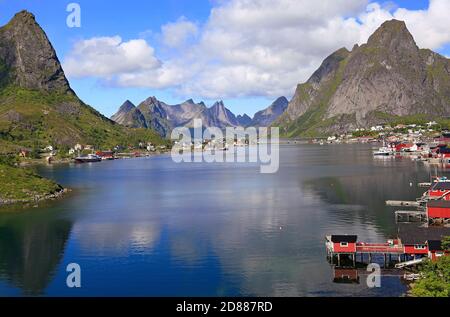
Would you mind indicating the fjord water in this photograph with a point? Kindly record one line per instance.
(151, 227)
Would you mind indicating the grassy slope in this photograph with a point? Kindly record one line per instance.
(37, 119)
(23, 184)
(33, 119)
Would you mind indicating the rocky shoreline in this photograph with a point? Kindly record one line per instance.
(35, 199)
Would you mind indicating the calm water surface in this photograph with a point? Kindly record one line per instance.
(150, 227)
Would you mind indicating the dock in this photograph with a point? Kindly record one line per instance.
(399, 203)
(409, 215)
(425, 185)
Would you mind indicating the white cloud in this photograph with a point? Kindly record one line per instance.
(105, 57)
(254, 47)
(178, 33)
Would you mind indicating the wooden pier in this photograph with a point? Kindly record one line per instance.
(410, 215)
(399, 203)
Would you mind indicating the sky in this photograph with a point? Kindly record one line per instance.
(244, 52)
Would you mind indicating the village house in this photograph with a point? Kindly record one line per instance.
(438, 210)
(435, 250)
(440, 189)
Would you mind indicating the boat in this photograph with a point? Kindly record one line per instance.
(90, 158)
(383, 151)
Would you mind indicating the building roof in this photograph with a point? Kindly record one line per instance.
(344, 238)
(411, 234)
(439, 204)
(441, 186)
(434, 245)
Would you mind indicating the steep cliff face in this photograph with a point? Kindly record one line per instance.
(387, 77)
(28, 58)
(37, 105)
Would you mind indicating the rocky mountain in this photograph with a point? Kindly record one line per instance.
(155, 114)
(267, 116)
(387, 78)
(130, 116)
(218, 116)
(37, 106)
(244, 120)
(27, 52)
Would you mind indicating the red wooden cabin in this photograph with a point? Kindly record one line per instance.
(438, 209)
(344, 243)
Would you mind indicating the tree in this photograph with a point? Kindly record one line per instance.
(436, 279)
(446, 244)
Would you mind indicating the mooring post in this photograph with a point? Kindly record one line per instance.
(339, 259)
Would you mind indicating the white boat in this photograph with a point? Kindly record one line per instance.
(90, 158)
(383, 151)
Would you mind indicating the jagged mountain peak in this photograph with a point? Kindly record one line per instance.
(219, 103)
(280, 102)
(392, 34)
(28, 57)
(23, 16)
(127, 106)
(386, 78)
(267, 116)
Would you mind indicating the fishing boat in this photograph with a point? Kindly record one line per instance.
(383, 151)
(90, 158)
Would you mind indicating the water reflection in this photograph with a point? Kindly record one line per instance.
(149, 227)
(31, 247)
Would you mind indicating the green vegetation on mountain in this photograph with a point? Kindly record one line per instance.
(388, 79)
(32, 118)
(39, 109)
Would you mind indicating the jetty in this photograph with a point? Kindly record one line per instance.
(409, 215)
(400, 203)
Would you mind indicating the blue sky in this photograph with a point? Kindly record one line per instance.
(260, 83)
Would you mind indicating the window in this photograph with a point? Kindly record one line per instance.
(344, 244)
(419, 247)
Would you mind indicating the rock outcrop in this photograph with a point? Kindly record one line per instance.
(386, 78)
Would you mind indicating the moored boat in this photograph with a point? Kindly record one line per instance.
(90, 158)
